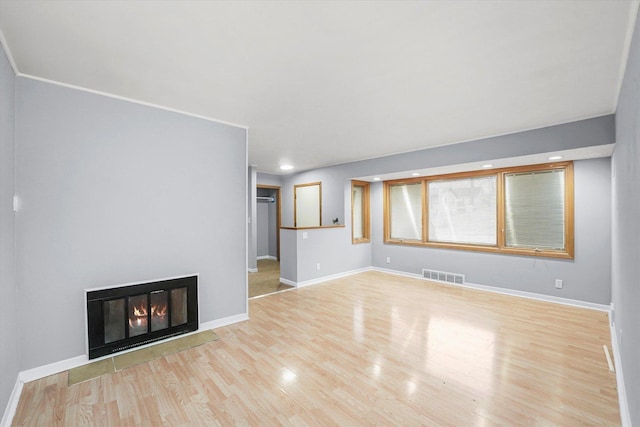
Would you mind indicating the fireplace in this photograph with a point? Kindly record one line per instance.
(128, 316)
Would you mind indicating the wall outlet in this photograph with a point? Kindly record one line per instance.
(318, 266)
(558, 283)
(305, 235)
(388, 260)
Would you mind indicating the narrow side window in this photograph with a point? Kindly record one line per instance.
(360, 228)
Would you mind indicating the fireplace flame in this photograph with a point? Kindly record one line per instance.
(158, 311)
(138, 317)
(139, 312)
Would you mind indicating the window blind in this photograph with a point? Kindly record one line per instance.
(534, 209)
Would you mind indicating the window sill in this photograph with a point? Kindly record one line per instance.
(490, 249)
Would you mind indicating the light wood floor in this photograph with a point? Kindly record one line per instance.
(366, 349)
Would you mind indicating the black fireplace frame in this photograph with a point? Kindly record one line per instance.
(95, 300)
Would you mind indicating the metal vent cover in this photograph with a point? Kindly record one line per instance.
(443, 276)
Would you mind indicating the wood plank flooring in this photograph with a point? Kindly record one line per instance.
(367, 349)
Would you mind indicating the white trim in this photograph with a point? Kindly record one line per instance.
(12, 404)
(293, 288)
(247, 208)
(267, 257)
(538, 297)
(326, 278)
(505, 291)
(398, 273)
(225, 321)
(625, 416)
(53, 368)
(8, 53)
(134, 101)
(608, 356)
(288, 282)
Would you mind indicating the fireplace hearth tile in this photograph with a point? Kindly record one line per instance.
(92, 370)
(136, 357)
(166, 348)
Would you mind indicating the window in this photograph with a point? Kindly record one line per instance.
(463, 210)
(534, 209)
(360, 212)
(405, 211)
(525, 210)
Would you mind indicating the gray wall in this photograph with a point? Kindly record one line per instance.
(586, 278)
(331, 247)
(584, 133)
(626, 227)
(8, 287)
(332, 180)
(269, 179)
(301, 256)
(115, 192)
(289, 255)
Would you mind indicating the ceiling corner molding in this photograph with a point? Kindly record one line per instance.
(626, 49)
(134, 101)
(7, 52)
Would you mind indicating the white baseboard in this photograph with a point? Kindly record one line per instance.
(252, 270)
(324, 278)
(12, 405)
(288, 282)
(397, 272)
(225, 321)
(53, 368)
(538, 297)
(267, 257)
(506, 291)
(273, 293)
(64, 365)
(625, 416)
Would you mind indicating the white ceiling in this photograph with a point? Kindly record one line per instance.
(321, 83)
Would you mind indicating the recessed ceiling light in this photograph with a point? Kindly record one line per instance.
(286, 167)
(487, 166)
(555, 157)
(376, 178)
(415, 174)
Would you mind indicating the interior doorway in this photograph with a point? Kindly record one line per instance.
(268, 210)
(268, 213)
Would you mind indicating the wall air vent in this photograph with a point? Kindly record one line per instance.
(443, 276)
